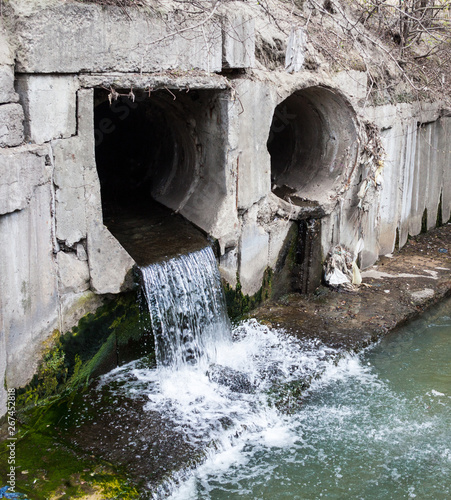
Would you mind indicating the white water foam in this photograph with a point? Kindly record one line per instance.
(239, 396)
(226, 405)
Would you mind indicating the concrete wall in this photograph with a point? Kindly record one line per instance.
(57, 259)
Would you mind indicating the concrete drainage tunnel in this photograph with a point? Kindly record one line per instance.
(148, 161)
(156, 158)
(312, 141)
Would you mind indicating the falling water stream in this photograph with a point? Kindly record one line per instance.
(187, 309)
(373, 425)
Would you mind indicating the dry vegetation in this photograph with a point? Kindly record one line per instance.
(404, 45)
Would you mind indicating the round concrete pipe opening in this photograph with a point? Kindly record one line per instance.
(313, 145)
(144, 149)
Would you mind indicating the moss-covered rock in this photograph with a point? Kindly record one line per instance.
(118, 332)
(50, 465)
(287, 396)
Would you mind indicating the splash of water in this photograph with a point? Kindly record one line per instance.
(279, 416)
(214, 385)
(187, 308)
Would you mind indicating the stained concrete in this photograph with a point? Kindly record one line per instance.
(29, 307)
(50, 106)
(141, 41)
(252, 129)
(73, 273)
(11, 125)
(21, 171)
(7, 93)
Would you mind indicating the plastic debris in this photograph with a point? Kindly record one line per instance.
(356, 276)
(341, 269)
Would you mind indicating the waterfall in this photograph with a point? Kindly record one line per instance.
(187, 308)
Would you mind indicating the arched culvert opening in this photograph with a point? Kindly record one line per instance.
(148, 161)
(313, 145)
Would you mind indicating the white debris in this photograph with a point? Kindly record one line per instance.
(421, 295)
(341, 268)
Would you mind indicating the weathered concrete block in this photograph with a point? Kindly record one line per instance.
(417, 185)
(370, 232)
(74, 162)
(215, 184)
(425, 112)
(73, 273)
(11, 125)
(277, 236)
(228, 266)
(253, 159)
(70, 215)
(21, 171)
(49, 103)
(238, 40)
(407, 162)
(295, 53)
(70, 212)
(390, 190)
(7, 93)
(253, 254)
(6, 52)
(445, 148)
(414, 172)
(86, 37)
(431, 143)
(383, 116)
(109, 263)
(69, 161)
(27, 272)
(81, 252)
(352, 83)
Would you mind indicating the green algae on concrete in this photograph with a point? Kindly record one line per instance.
(50, 465)
(97, 441)
(118, 332)
(238, 304)
(286, 277)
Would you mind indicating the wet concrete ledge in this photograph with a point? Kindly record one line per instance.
(394, 291)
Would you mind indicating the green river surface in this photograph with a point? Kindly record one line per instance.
(377, 426)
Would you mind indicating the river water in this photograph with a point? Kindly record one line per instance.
(374, 426)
